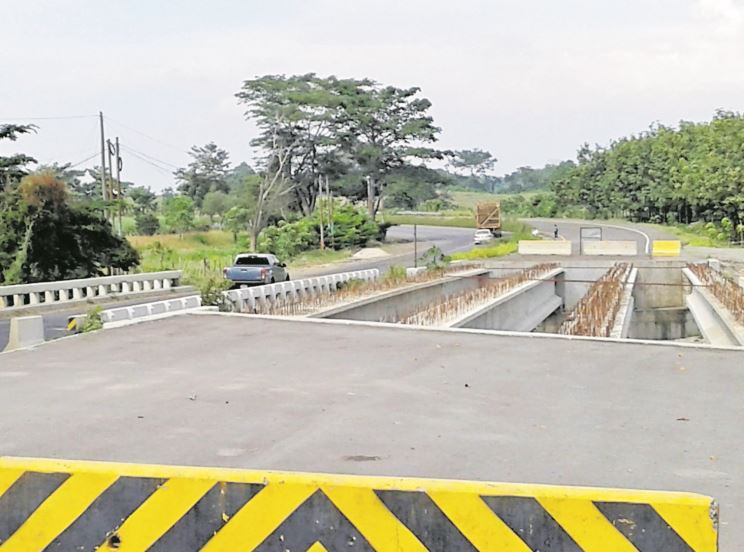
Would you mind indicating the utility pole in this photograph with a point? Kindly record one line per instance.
(103, 161)
(320, 211)
(330, 212)
(118, 184)
(415, 247)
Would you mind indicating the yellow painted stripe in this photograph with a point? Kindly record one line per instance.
(317, 547)
(587, 526)
(695, 529)
(478, 522)
(255, 521)
(159, 513)
(370, 516)
(8, 477)
(58, 511)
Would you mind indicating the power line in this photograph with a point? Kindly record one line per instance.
(95, 154)
(117, 123)
(58, 117)
(166, 171)
(155, 159)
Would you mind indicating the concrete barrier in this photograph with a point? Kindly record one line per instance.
(122, 314)
(64, 291)
(241, 300)
(615, 248)
(624, 316)
(70, 505)
(25, 331)
(545, 247)
(666, 248)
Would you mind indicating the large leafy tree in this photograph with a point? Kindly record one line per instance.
(208, 171)
(13, 167)
(44, 236)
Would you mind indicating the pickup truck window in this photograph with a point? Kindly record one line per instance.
(252, 260)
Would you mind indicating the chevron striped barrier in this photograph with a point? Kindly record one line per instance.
(60, 505)
(666, 248)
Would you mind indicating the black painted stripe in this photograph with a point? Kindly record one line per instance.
(315, 520)
(106, 513)
(643, 527)
(423, 517)
(529, 520)
(23, 497)
(207, 516)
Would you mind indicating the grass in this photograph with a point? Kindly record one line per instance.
(460, 221)
(203, 255)
(693, 235)
(500, 248)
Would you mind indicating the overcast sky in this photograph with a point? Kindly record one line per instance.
(528, 80)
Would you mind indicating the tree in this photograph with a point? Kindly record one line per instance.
(475, 162)
(147, 224)
(13, 168)
(208, 171)
(45, 237)
(216, 204)
(143, 199)
(383, 129)
(179, 214)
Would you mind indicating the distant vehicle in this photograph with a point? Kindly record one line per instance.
(488, 217)
(482, 236)
(253, 269)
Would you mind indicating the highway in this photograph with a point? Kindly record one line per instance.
(447, 239)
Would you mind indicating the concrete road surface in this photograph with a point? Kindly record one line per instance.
(235, 391)
(447, 239)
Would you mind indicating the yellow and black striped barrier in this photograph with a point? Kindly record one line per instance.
(60, 505)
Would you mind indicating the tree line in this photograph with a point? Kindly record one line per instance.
(694, 172)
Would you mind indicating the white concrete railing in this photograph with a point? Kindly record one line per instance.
(239, 299)
(46, 293)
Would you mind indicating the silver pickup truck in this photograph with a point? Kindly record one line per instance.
(255, 269)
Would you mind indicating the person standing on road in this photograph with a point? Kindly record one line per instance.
(555, 231)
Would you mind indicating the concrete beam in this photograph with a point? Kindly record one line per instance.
(716, 323)
(521, 309)
(621, 329)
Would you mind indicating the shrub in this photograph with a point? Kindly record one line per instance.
(93, 320)
(146, 224)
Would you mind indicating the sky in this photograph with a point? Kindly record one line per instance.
(528, 80)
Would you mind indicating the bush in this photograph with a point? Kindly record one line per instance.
(93, 320)
(146, 224)
(211, 288)
(352, 227)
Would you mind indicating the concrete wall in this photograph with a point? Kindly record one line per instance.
(544, 247)
(399, 303)
(660, 286)
(610, 247)
(520, 310)
(663, 324)
(716, 323)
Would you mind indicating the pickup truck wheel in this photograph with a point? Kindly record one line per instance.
(272, 280)
(287, 278)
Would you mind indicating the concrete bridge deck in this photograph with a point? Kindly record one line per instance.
(333, 397)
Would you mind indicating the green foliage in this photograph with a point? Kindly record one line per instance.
(93, 320)
(211, 288)
(487, 252)
(395, 275)
(216, 203)
(665, 175)
(179, 214)
(44, 236)
(208, 171)
(352, 227)
(13, 168)
(146, 224)
(434, 260)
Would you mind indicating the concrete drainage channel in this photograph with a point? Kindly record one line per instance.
(647, 300)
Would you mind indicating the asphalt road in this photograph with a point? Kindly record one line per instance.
(448, 240)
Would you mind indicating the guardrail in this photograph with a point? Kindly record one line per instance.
(241, 299)
(120, 314)
(46, 293)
